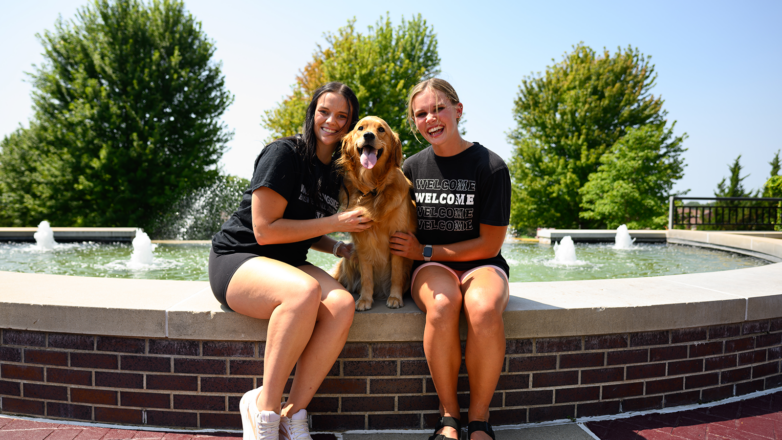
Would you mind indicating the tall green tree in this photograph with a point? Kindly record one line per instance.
(127, 118)
(566, 119)
(775, 165)
(733, 186)
(380, 66)
(635, 179)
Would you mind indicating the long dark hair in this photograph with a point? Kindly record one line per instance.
(307, 143)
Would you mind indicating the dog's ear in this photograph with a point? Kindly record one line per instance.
(397, 149)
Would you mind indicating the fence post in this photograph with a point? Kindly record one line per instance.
(670, 213)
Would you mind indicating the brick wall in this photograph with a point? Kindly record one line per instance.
(174, 383)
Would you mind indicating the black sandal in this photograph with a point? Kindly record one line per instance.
(477, 425)
(442, 423)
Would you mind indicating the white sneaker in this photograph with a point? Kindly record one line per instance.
(296, 427)
(257, 425)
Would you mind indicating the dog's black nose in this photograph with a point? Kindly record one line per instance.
(368, 136)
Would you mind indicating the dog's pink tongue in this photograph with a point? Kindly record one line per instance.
(368, 160)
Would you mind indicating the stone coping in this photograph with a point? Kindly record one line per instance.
(547, 236)
(188, 310)
(64, 234)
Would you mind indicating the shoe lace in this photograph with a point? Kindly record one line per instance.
(266, 430)
(299, 429)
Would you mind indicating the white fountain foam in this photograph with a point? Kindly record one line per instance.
(623, 240)
(142, 251)
(44, 237)
(565, 254)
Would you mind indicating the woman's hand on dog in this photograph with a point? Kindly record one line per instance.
(345, 250)
(406, 245)
(352, 221)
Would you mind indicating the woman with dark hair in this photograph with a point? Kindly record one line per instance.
(258, 264)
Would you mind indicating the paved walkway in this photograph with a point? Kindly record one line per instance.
(758, 418)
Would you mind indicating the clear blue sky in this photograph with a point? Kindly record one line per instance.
(718, 63)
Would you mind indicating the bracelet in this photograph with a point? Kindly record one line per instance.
(336, 248)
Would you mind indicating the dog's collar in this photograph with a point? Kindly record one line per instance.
(372, 193)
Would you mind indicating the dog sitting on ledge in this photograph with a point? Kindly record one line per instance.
(374, 182)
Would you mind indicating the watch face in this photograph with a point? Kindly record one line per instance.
(427, 251)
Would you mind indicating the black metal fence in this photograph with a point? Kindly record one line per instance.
(726, 213)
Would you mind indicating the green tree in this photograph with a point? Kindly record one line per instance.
(127, 111)
(634, 180)
(566, 120)
(775, 165)
(773, 188)
(725, 211)
(380, 66)
(733, 186)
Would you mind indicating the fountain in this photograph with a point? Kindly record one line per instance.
(142, 251)
(44, 237)
(623, 240)
(565, 253)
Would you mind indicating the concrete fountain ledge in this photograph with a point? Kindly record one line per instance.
(165, 353)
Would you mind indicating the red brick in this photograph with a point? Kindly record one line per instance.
(21, 372)
(222, 420)
(397, 350)
(500, 417)
(229, 349)
(648, 338)
(337, 422)
(10, 354)
(99, 397)
(122, 345)
(518, 346)
(413, 368)
(146, 363)
(742, 344)
(689, 335)
(644, 371)
(68, 411)
(705, 349)
(413, 403)
(605, 342)
(204, 366)
(557, 379)
(724, 331)
(701, 380)
(10, 388)
(28, 339)
(532, 363)
(568, 395)
(118, 415)
(45, 357)
(750, 328)
(238, 367)
(72, 377)
(597, 409)
(664, 385)
(513, 382)
(752, 357)
(355, 351)
(642, 403)
(668, 353)
(47, 392)
(174, 347)
(208, 403)
(393, 386)
(749, 387)
(774, 381)
(177, 419)
(765, 370)
(394, 421)
(554, 345)
(601, 375)
(622, 391)
(527, 398)
(736, 375)
(177, 383)
(21, 406)
(718, 393)
(370, 368)
(628, 357)
(546, 413)
(71, 342)
(374, 404)
(774, 353)
(118, 380)
(317, 404)
(581, 360)
(720, 362)
(768, 340)
(225, 384)
(679, 399)
(98, 361)
(685, 367)
(145, 400)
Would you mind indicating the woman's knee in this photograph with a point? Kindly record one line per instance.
(305, 295)
(483, 310)
(444, 306)
(341, 306)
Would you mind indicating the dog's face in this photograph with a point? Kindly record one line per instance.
(372, 145)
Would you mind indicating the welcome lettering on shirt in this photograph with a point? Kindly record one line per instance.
(454, 215)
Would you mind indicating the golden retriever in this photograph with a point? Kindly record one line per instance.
(370, 162)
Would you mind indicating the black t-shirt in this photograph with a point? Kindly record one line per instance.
(455, 194)
(280, 168)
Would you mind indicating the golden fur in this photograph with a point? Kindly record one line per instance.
(383, 192)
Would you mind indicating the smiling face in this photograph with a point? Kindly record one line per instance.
(436, 118)
(331, 120)
(371, 147)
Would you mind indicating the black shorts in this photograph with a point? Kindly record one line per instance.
(222, 268)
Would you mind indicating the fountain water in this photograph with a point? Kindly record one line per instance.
(565, 252)
(623, 240)
(44, 237)
(142, 251)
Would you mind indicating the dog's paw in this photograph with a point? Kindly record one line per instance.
(363, 304)
(394, 303)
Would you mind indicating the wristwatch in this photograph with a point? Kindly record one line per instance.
(427, 252)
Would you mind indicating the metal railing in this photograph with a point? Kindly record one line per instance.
(746, 213)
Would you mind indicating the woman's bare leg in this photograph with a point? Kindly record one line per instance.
(436, 292)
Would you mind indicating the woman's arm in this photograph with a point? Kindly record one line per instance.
(487, 245)
(270, 228)
(326, 244)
